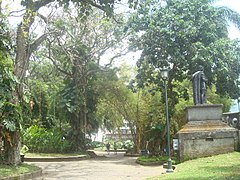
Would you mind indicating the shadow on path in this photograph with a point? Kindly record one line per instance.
(110, 167)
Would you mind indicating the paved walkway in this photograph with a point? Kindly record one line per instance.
(113, 167)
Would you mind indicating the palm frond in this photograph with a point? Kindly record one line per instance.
(230, 15)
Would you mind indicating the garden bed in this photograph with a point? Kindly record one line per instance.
(154, 160)
(150, 163)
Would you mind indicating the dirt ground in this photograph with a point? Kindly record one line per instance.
(112, 167)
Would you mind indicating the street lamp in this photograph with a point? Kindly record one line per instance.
(164, 74)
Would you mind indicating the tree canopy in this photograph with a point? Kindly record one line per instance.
(183, 35)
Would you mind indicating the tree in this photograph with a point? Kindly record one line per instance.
(10, 113)
(25, 45)
(118, 102)
(76, 54)
(185, 34)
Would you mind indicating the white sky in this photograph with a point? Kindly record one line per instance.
(131, 58)
(235, 5)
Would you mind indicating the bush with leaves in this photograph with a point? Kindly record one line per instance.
(46, 140)
(128, 144)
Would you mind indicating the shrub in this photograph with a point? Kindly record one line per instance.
(39, 139)
(157, 159)
(128, 144)
(97, 144)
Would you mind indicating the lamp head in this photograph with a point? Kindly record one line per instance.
(164, 73)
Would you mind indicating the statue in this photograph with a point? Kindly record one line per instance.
(199, 86)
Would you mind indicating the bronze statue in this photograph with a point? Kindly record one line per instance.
(199, 86)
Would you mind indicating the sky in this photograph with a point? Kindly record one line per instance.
(234, 5)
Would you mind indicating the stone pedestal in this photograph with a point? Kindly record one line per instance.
(204, 112)
(205, 134)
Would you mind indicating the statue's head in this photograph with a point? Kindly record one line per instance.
(200, 68)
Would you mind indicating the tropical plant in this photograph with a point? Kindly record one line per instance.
(39, 139)
(10, 112)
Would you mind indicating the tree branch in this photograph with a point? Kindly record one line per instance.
(45, 19)
(37, 42)
(54, 62)
(38, 4)
(94, 4)
(116, 56)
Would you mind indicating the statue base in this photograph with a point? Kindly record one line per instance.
(204, 112)
(205, 134)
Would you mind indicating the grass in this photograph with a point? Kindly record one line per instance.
(225, 166)
(7, 171)
(52, 154)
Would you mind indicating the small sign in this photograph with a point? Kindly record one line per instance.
(175, 144)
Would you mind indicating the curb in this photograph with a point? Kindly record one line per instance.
(132, 155)
(165, 166)
(32, 175)
(156, 163)
(55, 159)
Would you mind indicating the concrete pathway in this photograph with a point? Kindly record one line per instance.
(112, 167)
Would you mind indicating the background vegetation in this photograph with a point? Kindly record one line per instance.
(59, 85)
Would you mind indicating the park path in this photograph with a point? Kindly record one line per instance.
(113, 167)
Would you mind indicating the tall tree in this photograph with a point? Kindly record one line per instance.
(9, 112)
(76, 52)
(183, 35)
(25, 45)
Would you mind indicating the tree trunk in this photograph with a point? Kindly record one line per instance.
(12, 149)
(138, 140)
(21, 64)
(23, 53)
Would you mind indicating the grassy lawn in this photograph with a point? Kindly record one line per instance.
(225, 166)
(6, 171)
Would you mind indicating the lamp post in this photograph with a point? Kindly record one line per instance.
(238, 101)
(164, 74)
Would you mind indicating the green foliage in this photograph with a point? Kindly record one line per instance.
(5, 42)
(39, 139)
(40, 100)
(97, 144)
(215, 98)
(128, 144)
(182, 35)
(77, 59)
(10, 113)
